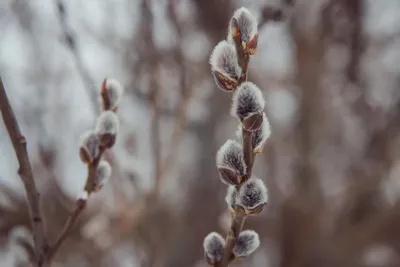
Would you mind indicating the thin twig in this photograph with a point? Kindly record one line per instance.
(181, 115)
(79, 207)
(71, 42)
(25, 172)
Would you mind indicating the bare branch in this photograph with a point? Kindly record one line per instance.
(79, 207)
(25, 172)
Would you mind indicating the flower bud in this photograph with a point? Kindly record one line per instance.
(230, 163)
(253, 195)
(247, 105)
(111, 92)
(213, 245)
(230, 198)
(103, 174)
(89, 147)
(224, 66)
(246, 243)
(244, 24)
(261, 135)
(107, 128)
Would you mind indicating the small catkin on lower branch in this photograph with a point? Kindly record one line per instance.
(25, 172)
(92, 146)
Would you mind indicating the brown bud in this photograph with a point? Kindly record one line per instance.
(104, 96)
(253, 122)
(256, 210)
(111, 92)
(229, 177)
(251, 46)
(89, 147)
(107, 140)
(85, 156)
(224, 82)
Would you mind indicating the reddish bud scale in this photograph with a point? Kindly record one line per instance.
(256, 210)
(229, 177)
(251, 46)
(85, 156)
(104, 96)
(253, 122)
(223, 82)
(107, 140)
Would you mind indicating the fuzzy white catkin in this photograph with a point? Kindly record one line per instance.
(89, 141)
(230, 156)
(246, 243)
(231, 195)
(262, 134)
(103, 173)
(213, 246)
(247, 99)
(224, 59)
(107, 123)
(247, 23)
(252, 193)
(114, 91)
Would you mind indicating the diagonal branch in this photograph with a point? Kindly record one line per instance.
(69, 224)
(80, 206)
(25, 172)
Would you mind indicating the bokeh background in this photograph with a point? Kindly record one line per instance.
(330, 74)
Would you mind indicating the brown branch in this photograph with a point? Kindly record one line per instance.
(25, 172)
(186, 89)
(71, 42)
(154, 95)
(79, 207)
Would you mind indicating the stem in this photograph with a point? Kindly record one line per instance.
(249, 155)
(237, 223)
(25, 172)
(79, 207)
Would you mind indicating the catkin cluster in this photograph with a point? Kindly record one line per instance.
(95, 142)
(246, 193)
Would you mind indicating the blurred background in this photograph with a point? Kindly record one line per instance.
(330, 74)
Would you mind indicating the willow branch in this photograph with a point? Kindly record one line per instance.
(69, 224)
(25, 172)
(239, 215)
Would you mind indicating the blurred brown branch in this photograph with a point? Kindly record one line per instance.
(25, 172)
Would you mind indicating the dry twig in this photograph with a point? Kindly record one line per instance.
(25, 172)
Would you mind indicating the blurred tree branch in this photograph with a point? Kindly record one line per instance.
(25, 172)
(71, 44)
